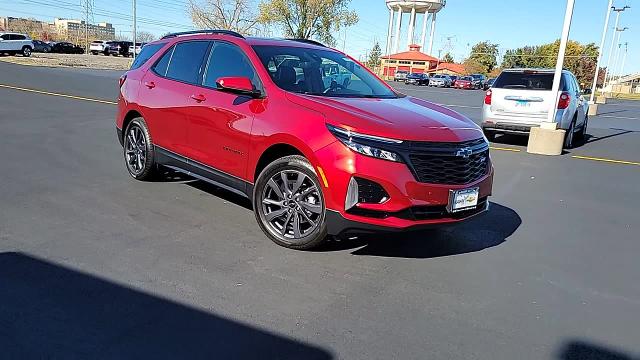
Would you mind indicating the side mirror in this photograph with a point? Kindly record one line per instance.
(238, 85)
(586, 91)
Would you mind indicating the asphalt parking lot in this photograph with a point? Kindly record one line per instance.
(96, 265)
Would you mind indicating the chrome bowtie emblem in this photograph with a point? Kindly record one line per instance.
(464, 152)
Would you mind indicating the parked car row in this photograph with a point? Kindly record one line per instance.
(474, 81)
(114, 48)
(15, 43)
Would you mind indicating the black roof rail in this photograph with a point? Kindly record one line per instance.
(309, 41)
(206, 31)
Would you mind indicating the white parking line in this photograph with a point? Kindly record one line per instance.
(618, 117)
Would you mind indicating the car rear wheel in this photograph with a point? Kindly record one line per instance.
(289, 204)
(582, 135)
(570, 135)
(138, 150)
(26, 51)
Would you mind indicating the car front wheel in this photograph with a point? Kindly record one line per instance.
(138, 150)
(26, 51)
(289, 204)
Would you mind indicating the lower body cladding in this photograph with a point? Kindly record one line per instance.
(390, 199)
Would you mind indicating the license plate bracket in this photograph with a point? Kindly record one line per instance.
(463, 199)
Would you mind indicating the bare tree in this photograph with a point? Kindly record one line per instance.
(144, 37)
(235, 15)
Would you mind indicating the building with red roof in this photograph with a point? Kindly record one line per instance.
(412, 61)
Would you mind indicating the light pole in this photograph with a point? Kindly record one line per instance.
(615, 58)
(551, 117)
(613, 40)
(604, 36)
(624, 60)
(134, 30)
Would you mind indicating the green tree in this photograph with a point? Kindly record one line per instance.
(472, 66)
(447, 58)
(485, 54)
(374, 56)
(306, 19)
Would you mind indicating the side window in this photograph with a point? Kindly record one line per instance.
(18, 37)
(228, 60)
(187, 61)
(577, 84)
(145, 54)
(163, 64)
(5, 37)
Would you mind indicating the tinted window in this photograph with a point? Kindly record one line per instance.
(5, 37)
(18, 37)
(187, 61)
(228, 60)
(146, 53)
(163, 64)
(524, 80)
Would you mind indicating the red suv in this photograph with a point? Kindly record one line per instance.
(264, 118)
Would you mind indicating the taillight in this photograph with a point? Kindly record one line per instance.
(564, 101)
(487, 97)
(122, 79)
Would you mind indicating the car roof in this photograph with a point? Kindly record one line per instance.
(539, 70)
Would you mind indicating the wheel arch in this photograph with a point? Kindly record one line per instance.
(273, 153)
(131, 114)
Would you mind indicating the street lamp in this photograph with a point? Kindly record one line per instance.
(604, 36)
(615, 58)
(613, 39)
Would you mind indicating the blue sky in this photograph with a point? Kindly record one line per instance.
(461, 23)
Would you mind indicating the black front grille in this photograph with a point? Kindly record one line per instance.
(449, 163)
(370, 192)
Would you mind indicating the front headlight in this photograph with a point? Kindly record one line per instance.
(366, 144)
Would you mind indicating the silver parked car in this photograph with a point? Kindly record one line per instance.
(520, 99)
(440, 80)
(400, 75)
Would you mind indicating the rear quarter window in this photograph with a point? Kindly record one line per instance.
(146, 53)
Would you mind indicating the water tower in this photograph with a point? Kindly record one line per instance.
(429, 8)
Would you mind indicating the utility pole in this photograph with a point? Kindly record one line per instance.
(613, 41)
(87, 8)
(134, 30)
(604, 36)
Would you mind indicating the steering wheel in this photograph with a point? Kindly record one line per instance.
(333, 87)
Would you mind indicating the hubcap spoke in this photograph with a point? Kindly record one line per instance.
(314, 208)
(307, 218)
(285, 224)
(275, 214)
(285, 182)
(276, 189)
(296, 224)
(299, 180)
(272, 202)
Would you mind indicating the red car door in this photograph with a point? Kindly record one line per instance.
(220, 126)
(166, 91)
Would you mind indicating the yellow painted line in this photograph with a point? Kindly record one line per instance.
(324, 178)
(503, 149)
(622, 162)
(58, 94)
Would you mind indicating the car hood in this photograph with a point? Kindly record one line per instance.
(404, 118)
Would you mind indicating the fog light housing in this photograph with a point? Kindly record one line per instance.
(352, 194)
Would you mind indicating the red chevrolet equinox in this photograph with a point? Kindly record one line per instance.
(318, 143)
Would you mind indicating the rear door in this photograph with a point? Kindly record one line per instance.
(166, 91)
(16, 41)
(522, 96)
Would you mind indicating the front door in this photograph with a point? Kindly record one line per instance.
(220, 126)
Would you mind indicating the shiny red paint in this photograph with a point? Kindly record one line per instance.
(463, 84)
(230, 132)
(239, 84)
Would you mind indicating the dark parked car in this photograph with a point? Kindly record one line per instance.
(453, 79)
(478, 80)
(488, 83)
(417, 79)
(67, 48)
(41, 46)
(120, 48)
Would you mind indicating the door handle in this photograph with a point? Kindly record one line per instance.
(150, 84)
(198, 98)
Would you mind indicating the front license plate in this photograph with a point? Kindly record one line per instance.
(465, 199)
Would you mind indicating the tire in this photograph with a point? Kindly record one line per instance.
(490, 135)
(279, 212)
(138, 150)
(26, 51)
(569, 135)
(582, 134)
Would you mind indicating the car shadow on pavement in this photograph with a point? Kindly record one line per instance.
(51, 311)
(582, 350)
(485, 231)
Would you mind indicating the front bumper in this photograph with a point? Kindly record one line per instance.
(410, 204)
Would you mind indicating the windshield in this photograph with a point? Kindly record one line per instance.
(320, 72)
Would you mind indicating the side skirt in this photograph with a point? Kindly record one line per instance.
(203, 172)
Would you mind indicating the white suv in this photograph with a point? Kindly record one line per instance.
(99, 46)
(520, 99)
(14, 43)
